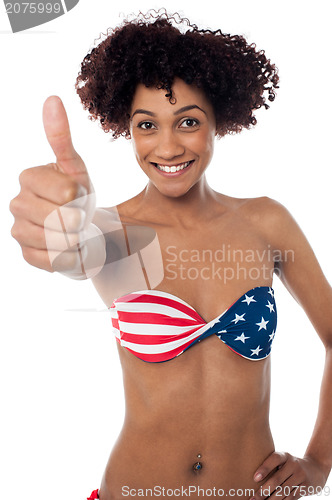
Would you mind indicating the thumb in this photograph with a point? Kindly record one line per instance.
(57, 131)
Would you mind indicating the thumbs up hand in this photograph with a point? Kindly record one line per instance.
(56, 203)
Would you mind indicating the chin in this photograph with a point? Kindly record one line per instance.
(172, 191)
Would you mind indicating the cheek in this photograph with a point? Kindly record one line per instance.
(142, 146)
(202, 144)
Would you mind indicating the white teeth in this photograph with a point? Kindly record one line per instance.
(173, 168)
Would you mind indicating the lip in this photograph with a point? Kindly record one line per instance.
(173, 174)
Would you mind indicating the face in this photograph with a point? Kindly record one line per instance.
(173, 143)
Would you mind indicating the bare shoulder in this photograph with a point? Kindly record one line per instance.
(261, 210)
(267, 217)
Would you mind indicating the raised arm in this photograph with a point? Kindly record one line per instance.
(56, 206)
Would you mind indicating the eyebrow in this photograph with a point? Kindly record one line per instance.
(181, 110)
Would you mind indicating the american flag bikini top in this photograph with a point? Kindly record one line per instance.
(157, 326)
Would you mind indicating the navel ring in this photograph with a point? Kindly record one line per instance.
(198, 465)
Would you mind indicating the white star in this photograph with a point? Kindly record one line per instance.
(271, 292)
(262, 324)
(255, 351)
(238, 318)
(270, 306)
(242, 337)
(271, 336)
(248, 300)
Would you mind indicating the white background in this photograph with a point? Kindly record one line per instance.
(61, 385)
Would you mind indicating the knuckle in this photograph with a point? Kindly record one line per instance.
(15, 232)
(16, 206)
(24, 175)
(51, 165)
(21, 177)
(73, 219)
(12, 205)
(70, 192)
(27, 253)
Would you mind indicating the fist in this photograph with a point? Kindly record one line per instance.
(56, 202)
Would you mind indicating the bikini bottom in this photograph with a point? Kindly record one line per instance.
(94, 495)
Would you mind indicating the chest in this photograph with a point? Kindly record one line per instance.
(210, 267)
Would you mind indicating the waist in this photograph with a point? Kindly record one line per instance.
(147, 459)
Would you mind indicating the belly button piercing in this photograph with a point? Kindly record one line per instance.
(198, 465)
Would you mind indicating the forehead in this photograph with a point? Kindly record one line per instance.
(153, 99)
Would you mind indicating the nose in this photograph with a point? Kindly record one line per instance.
(169, 146)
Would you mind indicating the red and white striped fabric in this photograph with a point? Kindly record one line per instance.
(155, 326)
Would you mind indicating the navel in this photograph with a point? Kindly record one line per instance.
(198, 465)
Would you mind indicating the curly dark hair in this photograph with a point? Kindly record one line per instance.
(153, 50)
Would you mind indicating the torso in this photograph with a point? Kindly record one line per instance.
(208, 401)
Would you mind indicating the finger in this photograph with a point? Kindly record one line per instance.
(57, 129)
(46, 214)
(272, 488)
(37, 258)
(52, 185)
(66, 220)
(276, 459)
(290, 488)
(58, 134)
(68, 260)
(63, 242)
(34, 236)
(52, 260)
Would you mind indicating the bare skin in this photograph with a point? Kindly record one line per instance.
(190, 405)
(209, 400)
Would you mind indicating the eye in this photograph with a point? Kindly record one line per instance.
(145, 125)
(190, 123)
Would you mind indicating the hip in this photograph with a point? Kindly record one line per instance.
(147, 466)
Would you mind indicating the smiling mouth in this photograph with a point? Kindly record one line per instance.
(173, 168)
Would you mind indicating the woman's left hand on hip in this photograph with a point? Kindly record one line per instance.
(293, 477)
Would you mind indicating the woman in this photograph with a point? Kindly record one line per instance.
(193, 336)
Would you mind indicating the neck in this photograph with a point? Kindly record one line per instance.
(185, 210)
